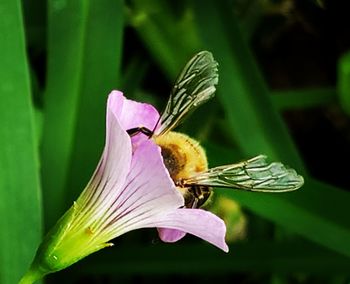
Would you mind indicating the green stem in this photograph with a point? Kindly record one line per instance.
(31, 276)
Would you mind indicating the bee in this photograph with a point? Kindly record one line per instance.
(186, 160)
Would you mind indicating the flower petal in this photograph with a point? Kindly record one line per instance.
(148, 193)
(170, 235)
(198, 222)
(133, 114)
(111, 172)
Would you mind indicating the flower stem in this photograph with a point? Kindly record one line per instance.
(31, 276)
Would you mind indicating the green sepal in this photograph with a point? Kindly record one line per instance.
(66, 244)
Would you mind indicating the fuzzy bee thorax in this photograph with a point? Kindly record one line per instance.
(182, 155)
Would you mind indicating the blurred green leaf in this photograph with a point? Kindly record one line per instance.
(66, 24)
(253, 120)
(300, 99)
(133, 75)
(343, 83)
(20, 202)
(250, 14)
(170, 37)
(258, 128)
(84, 49)
(34, 12)
(300, 212)
(101, 75)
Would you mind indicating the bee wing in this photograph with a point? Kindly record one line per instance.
(255, 174)
(193, 87)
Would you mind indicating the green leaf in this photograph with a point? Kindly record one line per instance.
(169, 37)
(84, 49)
(343, 84)
(299, 99)
(252, 118)
(20, 202)
(316, 211)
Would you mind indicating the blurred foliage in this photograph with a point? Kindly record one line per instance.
(283, 91)
(230, 211)
(20, 202)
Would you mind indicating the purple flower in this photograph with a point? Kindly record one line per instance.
(130, 189)
(136, 187)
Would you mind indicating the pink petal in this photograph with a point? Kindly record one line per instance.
(149, 182)
(148, 192)
(112, 170)
(170, 235)
(133, 114)
(198, 222)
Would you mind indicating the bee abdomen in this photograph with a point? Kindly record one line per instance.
(201, 194)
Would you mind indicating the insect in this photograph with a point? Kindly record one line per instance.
(185, 159)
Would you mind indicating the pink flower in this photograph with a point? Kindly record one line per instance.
(130, 189)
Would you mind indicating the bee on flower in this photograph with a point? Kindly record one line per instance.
(150, 176)
(185, 159)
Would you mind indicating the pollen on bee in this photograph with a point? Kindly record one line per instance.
(182, 155)
(172, 160)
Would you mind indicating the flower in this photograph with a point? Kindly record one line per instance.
(130, 189)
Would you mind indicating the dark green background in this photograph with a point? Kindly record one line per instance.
(283, 91)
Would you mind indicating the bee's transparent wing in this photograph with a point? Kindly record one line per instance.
(193, 87)
(255, 174)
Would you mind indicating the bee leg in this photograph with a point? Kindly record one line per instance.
(136, 130)
(195, 203)
(201, 194)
